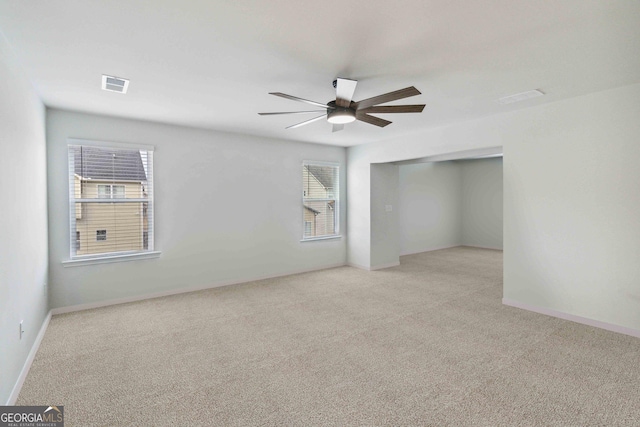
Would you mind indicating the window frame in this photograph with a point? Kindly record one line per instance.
(336, 199)
(149, 204)
(111, 194)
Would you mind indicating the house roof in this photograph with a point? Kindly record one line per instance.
(324, 174)
(108, 164)
(312, 210)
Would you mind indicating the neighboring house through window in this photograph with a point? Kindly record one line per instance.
(111, 200)
(320, 199)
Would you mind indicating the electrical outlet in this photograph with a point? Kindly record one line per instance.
(21, 329)
(45, 289)
(388, 208)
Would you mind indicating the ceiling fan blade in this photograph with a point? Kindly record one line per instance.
(291, 112)
(387, 97)
(306, 122)
(337, 128)
(364, 117)
(393, 109)
(295, 98)
(345, 89)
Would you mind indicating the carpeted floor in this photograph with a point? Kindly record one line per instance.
(425, 343)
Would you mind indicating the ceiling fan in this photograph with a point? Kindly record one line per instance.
(343, 110)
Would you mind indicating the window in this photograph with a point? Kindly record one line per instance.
(320, 190)
(110, 200)
(108, 191)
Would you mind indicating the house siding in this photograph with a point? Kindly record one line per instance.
(123, 223)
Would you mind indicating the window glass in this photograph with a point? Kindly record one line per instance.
(320, 190)
(111, 192)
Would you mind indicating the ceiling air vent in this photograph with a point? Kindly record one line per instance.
(115, 84)
(520, 97)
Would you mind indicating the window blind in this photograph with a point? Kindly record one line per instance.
(320, 195)
(110, 200)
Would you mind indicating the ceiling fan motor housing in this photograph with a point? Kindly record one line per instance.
(339, 115)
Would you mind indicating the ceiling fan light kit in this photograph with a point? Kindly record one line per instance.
(340, 116)
(343, 110)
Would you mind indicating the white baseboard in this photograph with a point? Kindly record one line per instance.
(573, 318)
(373, 268)
(428, 250)
(449, 247)
(27, 364)
(482, 247)
(89, 306)
(354, 265)
(382, 266)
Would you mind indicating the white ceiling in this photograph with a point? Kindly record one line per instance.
(211, 64)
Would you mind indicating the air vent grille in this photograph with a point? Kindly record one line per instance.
(115, 84)
(523, 96)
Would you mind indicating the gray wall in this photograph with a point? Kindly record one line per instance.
(571, 202)
(228, 209)
(23, 219)
(482, 196)
(359, 220)
(430, 206)
(384, 215)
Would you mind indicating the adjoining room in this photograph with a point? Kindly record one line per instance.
(450, 203)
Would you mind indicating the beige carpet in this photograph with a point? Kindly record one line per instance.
(425, 343)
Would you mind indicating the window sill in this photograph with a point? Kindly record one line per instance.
(110, 259)
(313, 239)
